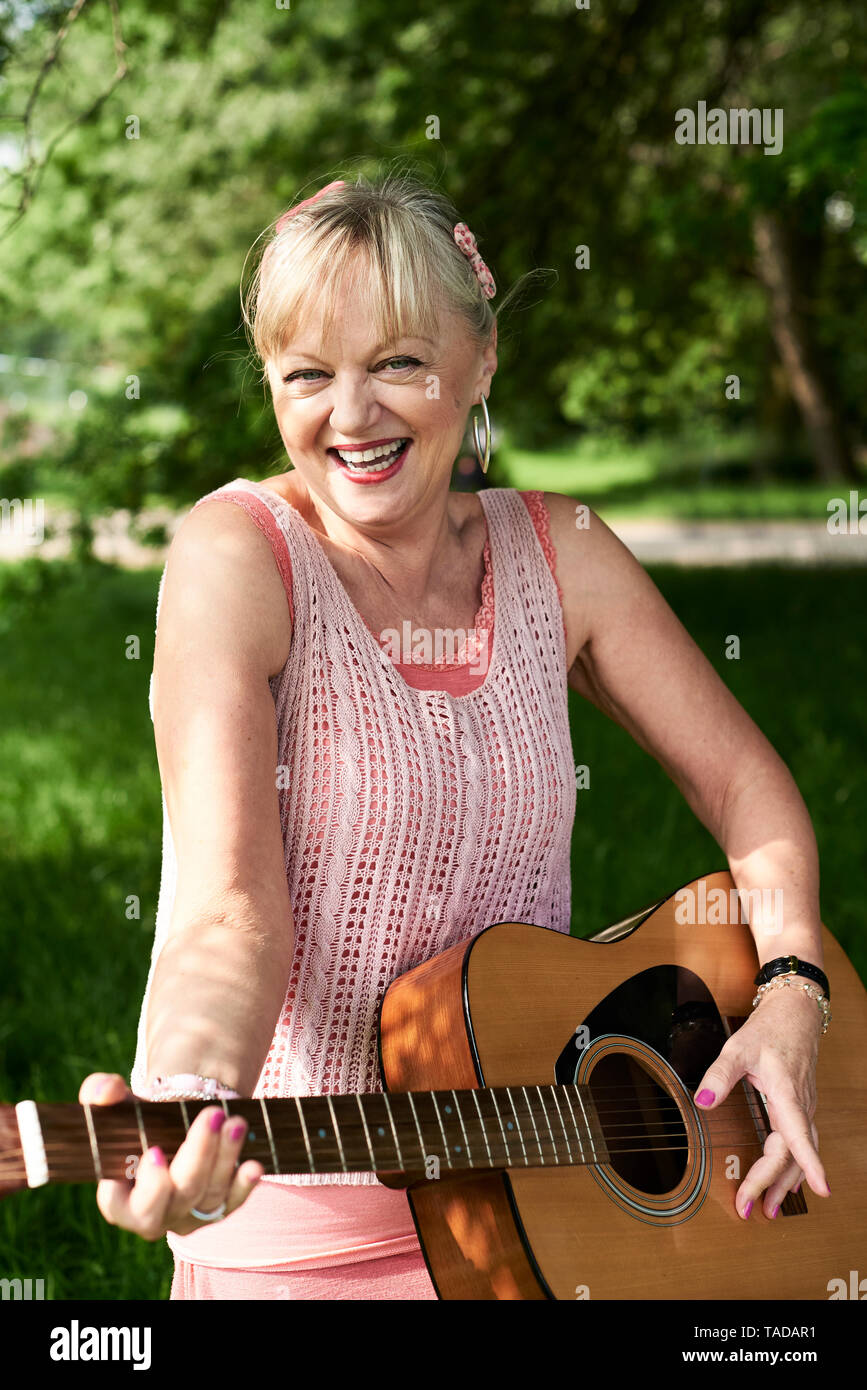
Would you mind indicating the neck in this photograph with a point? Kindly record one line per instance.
(423, 1132)
(404, 558)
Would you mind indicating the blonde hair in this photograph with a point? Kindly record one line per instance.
(394, 237)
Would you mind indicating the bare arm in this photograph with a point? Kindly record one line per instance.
(637, 663)
(634, 660)
(220, 979)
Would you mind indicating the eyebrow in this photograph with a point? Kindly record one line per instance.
(406, 338)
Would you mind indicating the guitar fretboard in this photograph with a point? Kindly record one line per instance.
(402, 1132)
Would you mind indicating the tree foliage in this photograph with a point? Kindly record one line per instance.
(555, 130)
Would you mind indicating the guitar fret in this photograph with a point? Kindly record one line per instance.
(267, 1118)
(587, 1123)
(553, 1093)
(432, 1095)
(366, 1133)
(533, 1119)
(463, 1127)
(337, 1134)
(548, 1122)
(304, 1132)
(484, 1128)
(143, 1139)
(518, 1126)
(394, 1131)
(575, 1123)
(493, 1096)
(94, 1147)
(377, 1119)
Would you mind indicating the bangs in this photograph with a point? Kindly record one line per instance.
(304, 275)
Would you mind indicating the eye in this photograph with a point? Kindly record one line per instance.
(413, 362)
(309, 373)
(306, 371)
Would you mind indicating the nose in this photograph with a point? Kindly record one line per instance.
(354, 405)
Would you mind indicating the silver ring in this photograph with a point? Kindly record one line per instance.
(209, 1215)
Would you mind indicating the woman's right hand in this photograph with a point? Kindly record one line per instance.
(202, 1173)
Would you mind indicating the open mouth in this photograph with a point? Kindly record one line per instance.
(384, 464)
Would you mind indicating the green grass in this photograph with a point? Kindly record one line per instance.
(80, 832)
(704, 479)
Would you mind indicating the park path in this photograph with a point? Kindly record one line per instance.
(651, 540)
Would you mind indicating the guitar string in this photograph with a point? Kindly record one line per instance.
(663, 1103)
(60, 1161)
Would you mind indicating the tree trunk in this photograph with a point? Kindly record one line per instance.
(793, 337)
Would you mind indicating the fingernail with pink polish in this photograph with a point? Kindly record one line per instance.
(218, 1119)
(774, 1212)
(706, 1097)
(157, 1157)
(237, 1130)
(747, 1209)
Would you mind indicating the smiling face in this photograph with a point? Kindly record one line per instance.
(406, 401)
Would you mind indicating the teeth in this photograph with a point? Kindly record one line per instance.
(379, 458)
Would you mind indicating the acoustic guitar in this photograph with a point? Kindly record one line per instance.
(538, 1108)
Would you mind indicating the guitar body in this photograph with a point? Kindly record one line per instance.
(656, 1000)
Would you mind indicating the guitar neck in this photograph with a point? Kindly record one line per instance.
(420, 1132)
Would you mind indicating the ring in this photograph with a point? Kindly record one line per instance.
(209, 1215)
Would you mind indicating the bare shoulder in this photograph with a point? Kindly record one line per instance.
(223, 588)
(596, 571)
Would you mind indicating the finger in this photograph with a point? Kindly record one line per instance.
(776, 1171)
(191, 1168)
(246, 1178)
(103, 1088)
(791, 1120)
(766, 1171)
(151, 1196)
(779, 1188)
(799, 1175)
(232, 1137)
(138, 1206)
(719, 1079)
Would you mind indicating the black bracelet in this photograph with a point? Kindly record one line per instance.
(792, 965)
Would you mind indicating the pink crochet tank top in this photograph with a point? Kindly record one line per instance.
(413, 817)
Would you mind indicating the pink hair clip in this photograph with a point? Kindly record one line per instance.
(467, 242)
(290, 212)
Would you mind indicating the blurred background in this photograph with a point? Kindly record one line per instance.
(691, 364)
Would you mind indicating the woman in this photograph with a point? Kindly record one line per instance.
(360, 709)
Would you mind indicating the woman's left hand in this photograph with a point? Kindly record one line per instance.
(776, 1049)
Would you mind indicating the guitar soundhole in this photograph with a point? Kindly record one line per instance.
(643, 1128)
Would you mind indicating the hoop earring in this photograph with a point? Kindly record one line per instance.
(483, 453)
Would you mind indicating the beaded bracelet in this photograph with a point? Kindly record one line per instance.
(186, 1086)
(791, 981)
